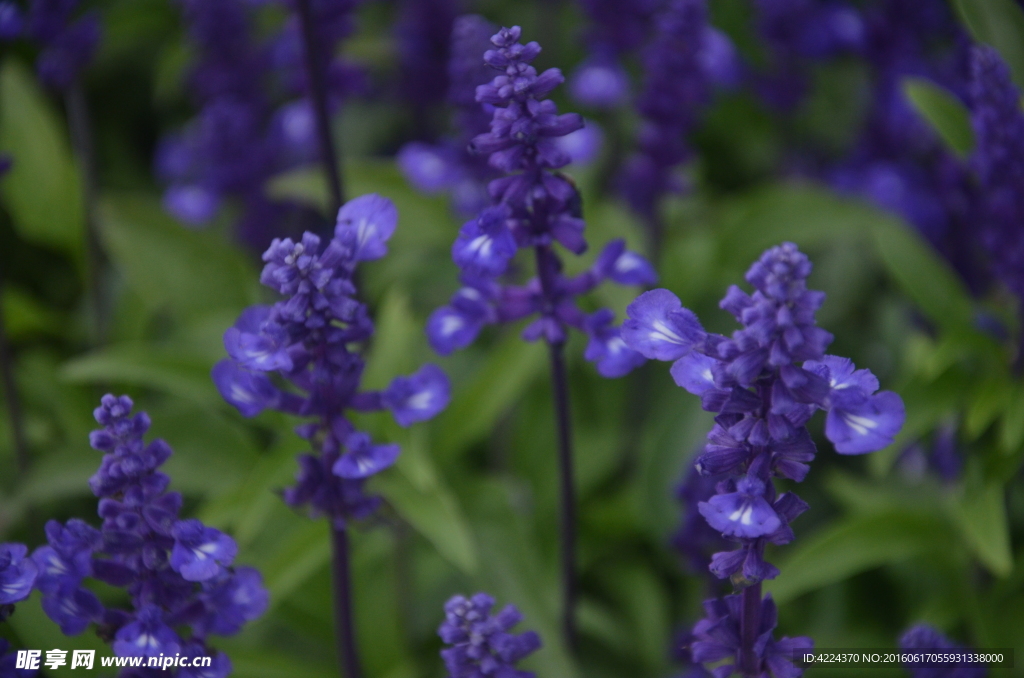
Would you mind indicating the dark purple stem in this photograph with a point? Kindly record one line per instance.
(750, 625)
(344, 629)
(318, 93)
(11, 395)
(546, 268)
(80, 128)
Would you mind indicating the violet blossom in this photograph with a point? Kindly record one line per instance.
(480, 642)
(174, 571)
(67, 44)
(765, 382)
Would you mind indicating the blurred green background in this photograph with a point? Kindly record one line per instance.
(471, 504)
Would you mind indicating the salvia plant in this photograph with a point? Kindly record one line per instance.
(765, 382)
(533, 207)
(311, 340)
(479, 641)
(176, 572)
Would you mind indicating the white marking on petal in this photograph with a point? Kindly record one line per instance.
(860, 424)
(420, 401)
(451, 324)
(481, 245)
(663, 332)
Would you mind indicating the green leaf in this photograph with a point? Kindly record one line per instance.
(854, 545)
(168, 265)
(305, 186)
(991, 398)
(418, 495)
(943, 111)
(42, 191)
(165, 369)
(297, 556)
(511, 366)
(25, 317)
(924, 276)
(980, 513)
(1012, 432)
(999, 23)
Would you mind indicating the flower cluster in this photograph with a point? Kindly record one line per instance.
(532, 207)
(310, 340)
(245, 132)
(177, 572)
(765, 382)
(924, 637)
(481, 644)
(999, 163)
(67, 44)
(683, 62)
(17, 577)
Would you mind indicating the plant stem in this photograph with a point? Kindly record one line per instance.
(318, 94)
(546, 268)
(80, 128)
(344, 628)
(14, 413)
(750, 625)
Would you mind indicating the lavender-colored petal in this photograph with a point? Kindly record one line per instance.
(418, 397)
(867, 424)
(694, 372)
(363, 458)
(249, 392)
(659, 328)
(365, 224)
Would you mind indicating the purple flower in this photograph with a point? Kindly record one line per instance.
(12, 23)
(764, 383)
(485, 244)
(17, 573)
(418, 397)
(743, 513)
(660, 328)
(147, 636)
(365, 224)
(310, 339)
(481, 644)
(532, 207)
(200, 552)
(168, 567)
(191, 204)
(363, 458)
(717, 639)
(231, 600)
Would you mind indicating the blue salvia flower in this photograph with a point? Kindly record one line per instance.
(695, 539)
(310, 340)
(448, 166)
(682, 64)
(765, 382)
(924, 637)
(17, 577)
(480, 642)
(532, 207)
(67, 44)
(999, 162)
(177, 573)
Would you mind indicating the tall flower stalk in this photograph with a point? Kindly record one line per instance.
(177, 573)
(311, 341)
(764, 383)
(533, 207)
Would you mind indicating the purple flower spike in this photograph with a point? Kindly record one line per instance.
(659, 327)
(11, 21)
(363, 458)
(431, 169)
(485, 245)
(147, 636)
(366, 224)
(743, 513)
(72, 609)
(418, 397)
(249, 392)
(481, 644)
(17, 573)
(200, 552)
